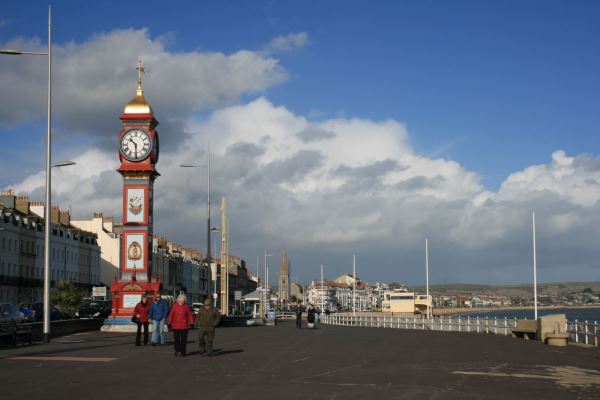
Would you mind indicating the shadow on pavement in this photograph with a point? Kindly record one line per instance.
(217, 352)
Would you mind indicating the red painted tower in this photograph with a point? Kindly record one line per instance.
(138, 153)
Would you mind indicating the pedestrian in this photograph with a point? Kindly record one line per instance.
(318, 315)
(299, 316)
(140, 313)
(310, 316)
(180, 319)
(207, 320)
(159, 311)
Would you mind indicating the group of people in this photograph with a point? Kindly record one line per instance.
(312, 313)
(180, 319)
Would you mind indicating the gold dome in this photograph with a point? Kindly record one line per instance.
(139, 105)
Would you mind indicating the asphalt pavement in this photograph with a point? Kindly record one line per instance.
(284, 362)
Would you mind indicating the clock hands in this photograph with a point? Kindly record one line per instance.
(134, 145)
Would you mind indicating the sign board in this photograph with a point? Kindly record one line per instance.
(238, 295)
(99, 291)
(131, 300)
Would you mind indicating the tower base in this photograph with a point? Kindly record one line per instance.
(125, 296)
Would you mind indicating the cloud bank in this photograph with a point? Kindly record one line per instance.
(325, 189)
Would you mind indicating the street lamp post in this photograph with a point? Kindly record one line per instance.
(208, 227)
(265, 288)
(48, 222)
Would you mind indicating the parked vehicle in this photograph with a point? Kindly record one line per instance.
(12, 329)
(34, 312)
(8, 312)
(95, 309)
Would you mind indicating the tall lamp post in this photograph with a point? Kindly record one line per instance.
(48, 218)
(208, 227)
(265, 296)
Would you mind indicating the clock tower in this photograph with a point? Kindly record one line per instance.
(138, 153)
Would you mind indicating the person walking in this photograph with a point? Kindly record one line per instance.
(299, 316)
(207, 320)
(180, 319)
(310, 316)
(159, 311)
(141, 314)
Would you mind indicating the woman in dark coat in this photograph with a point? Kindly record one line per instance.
(180, 319)
(141, 313)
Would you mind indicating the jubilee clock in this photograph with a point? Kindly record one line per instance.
(136, 144)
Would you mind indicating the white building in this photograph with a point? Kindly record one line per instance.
(75, 254)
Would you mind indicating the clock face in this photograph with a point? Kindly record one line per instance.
(135, 144)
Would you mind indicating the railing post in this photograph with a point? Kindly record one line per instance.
(576, 331)
(459, 326)
(596, 333)
(468, 323)
(585, 331)
(495, 325)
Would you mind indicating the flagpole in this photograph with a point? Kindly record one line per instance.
(354, 284)
(535, 302)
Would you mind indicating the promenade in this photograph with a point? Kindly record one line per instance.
(333, 362)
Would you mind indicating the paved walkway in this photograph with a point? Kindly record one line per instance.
(283, 362)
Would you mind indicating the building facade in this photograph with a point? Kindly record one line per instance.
(75, 255)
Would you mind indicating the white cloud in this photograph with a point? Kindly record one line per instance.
(94, 79)
(288, 42)
(359, 186)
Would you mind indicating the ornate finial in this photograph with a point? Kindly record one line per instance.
(139, 105)
(140, 69)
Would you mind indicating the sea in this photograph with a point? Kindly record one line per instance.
(580, 314)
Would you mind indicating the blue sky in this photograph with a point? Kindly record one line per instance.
(497, 86)
(494, 85)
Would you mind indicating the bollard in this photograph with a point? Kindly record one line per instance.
(576, 331)
(459, 325)
(585, 331)
(468, 323)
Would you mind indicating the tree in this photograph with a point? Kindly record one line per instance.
(68, 298)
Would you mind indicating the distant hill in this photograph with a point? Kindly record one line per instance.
(521, 290)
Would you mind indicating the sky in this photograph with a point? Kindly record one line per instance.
(336, 127)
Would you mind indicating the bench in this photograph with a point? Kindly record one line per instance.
(14, 332)
(526, 329)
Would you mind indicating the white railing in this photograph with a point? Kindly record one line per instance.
(498, 326)
(579, 332)
(584, 332)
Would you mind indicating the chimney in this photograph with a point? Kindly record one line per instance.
(65, 218)
(55, 215)
(7, 198)
(22, 204)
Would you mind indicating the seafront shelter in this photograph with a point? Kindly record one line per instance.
(398, 301)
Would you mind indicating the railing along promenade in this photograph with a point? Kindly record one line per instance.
(579, 332)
